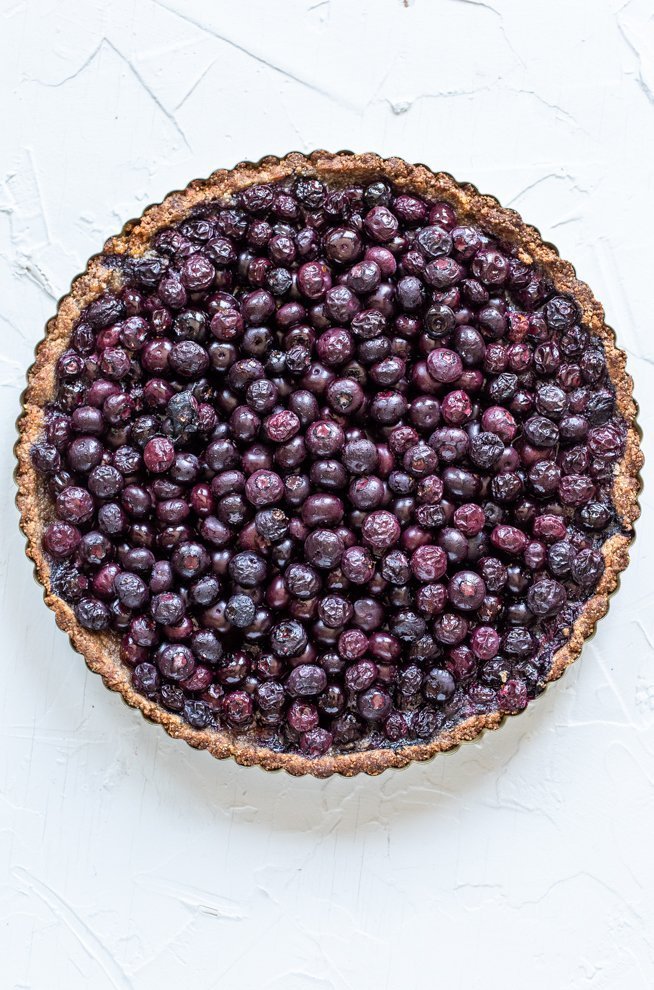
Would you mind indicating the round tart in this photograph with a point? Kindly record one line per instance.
(328, 463)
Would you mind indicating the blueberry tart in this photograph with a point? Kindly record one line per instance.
(328, 463)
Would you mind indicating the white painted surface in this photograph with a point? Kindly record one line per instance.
(132, 863)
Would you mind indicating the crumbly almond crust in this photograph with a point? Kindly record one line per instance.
(101, 652)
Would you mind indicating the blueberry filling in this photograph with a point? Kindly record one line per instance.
(334, 464)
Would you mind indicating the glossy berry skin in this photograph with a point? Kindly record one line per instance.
(333, 464)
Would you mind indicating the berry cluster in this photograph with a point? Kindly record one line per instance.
(335, 465)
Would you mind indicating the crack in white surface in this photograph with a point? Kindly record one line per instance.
(70, 919)
(400, 106)
(559, 176)
(639, 73)
(263, 60)
(127, 62)
(195, 85)
(198, 900)
(15, 328)
(549, 104)
(32, 271)
(481, 4)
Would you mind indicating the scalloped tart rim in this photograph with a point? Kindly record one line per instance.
(101, 651)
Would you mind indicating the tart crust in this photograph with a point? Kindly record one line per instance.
(101, 652)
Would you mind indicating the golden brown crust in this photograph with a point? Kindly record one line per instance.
(101, 651)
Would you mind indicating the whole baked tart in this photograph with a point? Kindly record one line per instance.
(328, 463)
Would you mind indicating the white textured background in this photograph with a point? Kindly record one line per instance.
(132, 863)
